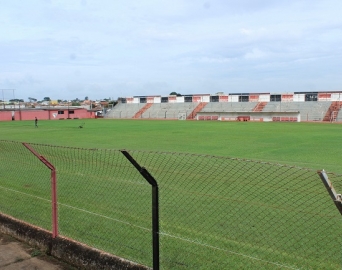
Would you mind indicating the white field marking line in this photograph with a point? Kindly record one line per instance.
(79, 209)
(43, 199)
(229, 251)
(95, 214)
(173, 236)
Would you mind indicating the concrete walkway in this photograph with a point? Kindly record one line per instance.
(16, 255)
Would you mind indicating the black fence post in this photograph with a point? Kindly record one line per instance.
(155, 207)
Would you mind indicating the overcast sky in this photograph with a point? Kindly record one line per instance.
(67, 49)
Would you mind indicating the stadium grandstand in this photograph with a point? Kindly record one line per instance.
(289, 107)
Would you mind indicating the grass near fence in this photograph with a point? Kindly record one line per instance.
(311, 145)
(217, 212)
(303, 144)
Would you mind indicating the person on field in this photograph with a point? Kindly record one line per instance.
(36, 122)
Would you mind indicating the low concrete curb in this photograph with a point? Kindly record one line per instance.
(67, 250)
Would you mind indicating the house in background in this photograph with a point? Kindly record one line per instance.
(46, 113)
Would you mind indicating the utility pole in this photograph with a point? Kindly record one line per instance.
(3, 96)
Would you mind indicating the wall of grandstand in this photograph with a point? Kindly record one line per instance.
(45, 114)
(238, 97)
(250, 116)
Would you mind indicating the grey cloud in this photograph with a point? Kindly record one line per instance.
(110, 48)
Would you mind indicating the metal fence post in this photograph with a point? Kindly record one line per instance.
(155, 207)
(53, 189)
(337, 198)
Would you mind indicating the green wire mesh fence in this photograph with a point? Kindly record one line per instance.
(214, 212)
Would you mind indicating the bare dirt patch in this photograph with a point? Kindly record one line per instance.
(19, 255)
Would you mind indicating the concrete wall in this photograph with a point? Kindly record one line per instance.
(254, 116)
(6, 115)
(67, 250)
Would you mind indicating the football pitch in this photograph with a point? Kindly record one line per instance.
(308, 145)
(213, 211)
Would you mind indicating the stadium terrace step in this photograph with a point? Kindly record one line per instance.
(259, 107)
(333, 111)
(199, 107)
(142, 110)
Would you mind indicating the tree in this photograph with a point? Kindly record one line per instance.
(16, 100)
(47, 99)
(112, 102)
(86, 98)
(31, 99)
(175, 94)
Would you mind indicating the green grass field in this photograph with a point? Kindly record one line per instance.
(214, 212)
(311, 145)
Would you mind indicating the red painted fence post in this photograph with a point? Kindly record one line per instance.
(53, 189)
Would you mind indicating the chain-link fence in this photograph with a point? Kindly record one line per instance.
(214, 212)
